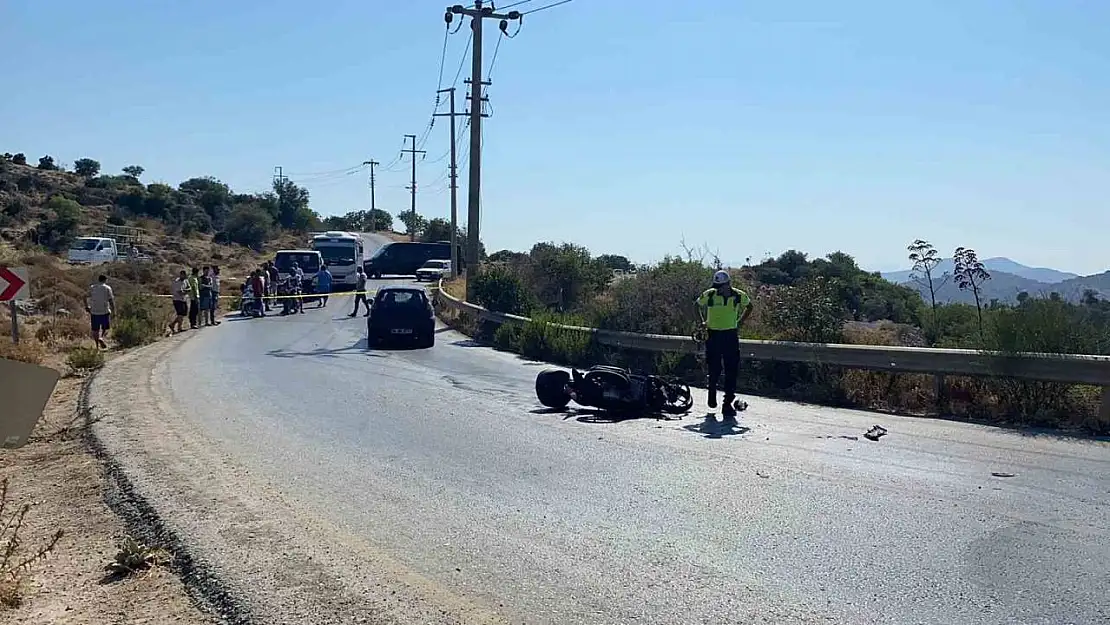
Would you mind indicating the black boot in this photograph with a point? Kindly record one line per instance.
(729, 408)
(712, 397)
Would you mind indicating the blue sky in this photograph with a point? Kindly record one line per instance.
(751, 127)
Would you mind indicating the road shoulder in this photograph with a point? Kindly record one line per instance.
(70, 490)
(255, 555)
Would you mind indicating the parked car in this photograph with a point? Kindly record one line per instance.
(434, 270)
(401, 314)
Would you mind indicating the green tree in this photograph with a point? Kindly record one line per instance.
(135, 171)
(809, 312)
(925, 259)
(46, 163)
(211, 195)
(249, 225)
(19, 158)
(500, 289)
(86, 167)
(614, 261)
(292, 203)
(378, 219)
(438, 229)
(60, 227)
(414, 223)
(970, 274)
(565, 276)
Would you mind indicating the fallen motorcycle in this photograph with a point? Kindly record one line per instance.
(613, 389)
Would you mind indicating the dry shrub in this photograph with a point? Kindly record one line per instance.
(85, 359)
(14, 560)
(61, 329)
(28, 351)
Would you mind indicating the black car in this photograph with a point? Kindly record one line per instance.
(402, 258)
(401, 314)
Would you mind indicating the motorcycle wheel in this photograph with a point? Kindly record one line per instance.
(551, 388)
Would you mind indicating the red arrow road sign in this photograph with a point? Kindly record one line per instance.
(13, 284)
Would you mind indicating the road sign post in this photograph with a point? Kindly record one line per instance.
(14, 286)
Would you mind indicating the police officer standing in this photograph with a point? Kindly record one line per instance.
(725, 309)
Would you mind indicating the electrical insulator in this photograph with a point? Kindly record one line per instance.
(504, 25)
(448, 16)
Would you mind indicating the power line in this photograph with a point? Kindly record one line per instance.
(544, 8)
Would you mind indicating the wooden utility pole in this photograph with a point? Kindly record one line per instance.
(373, 216)
(454, 169)
(413, 151)
(478, 14)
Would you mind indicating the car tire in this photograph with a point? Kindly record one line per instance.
(427, 342)
(551, 388)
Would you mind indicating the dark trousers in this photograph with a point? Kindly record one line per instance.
(194, 312)
(722, 351)
(361, 297)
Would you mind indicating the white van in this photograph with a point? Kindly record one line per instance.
(309, 261)
(343, 253)
(93, 251)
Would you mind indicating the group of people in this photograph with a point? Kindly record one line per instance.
(265, 286)
(196, 296)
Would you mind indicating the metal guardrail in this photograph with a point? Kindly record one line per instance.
(1063, 368)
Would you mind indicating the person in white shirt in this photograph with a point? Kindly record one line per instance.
(100, 304)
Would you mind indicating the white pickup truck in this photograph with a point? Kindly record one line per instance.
(93, 251)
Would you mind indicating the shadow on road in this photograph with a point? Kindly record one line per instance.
(358, 348)
(594, 415)
(468, 343)
(710, 427)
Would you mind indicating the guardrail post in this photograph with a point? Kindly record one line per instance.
(1104, 407)
(940, 391)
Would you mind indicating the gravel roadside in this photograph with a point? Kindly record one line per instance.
(70, 490)
(244, 550)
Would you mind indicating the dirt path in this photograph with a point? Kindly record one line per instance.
(66, 483)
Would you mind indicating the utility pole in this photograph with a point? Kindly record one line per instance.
(373, 216)
(454, 186)
(413, 151)
(279, 182)
(477, 15)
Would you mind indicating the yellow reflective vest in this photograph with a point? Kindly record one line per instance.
(723, 312)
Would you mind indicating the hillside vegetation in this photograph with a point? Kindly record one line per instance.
(200, 221)
(797, 298)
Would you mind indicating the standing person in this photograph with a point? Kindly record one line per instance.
(323, 285)
(725, 310)
(271, 275)
(205, 294)
(296, 277)
(180, 291)
(194, 298)
(360, 292)
(215, 304)
(100, 304)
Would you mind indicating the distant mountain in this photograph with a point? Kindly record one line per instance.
(993, 265)
(1039, 274)
(1008, 279)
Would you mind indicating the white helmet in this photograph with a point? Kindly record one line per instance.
(721, 277)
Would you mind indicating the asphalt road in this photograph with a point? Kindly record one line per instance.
(441, 459)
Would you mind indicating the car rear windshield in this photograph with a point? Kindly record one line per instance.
(435, 264)
(401, 299)
(305, 260)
